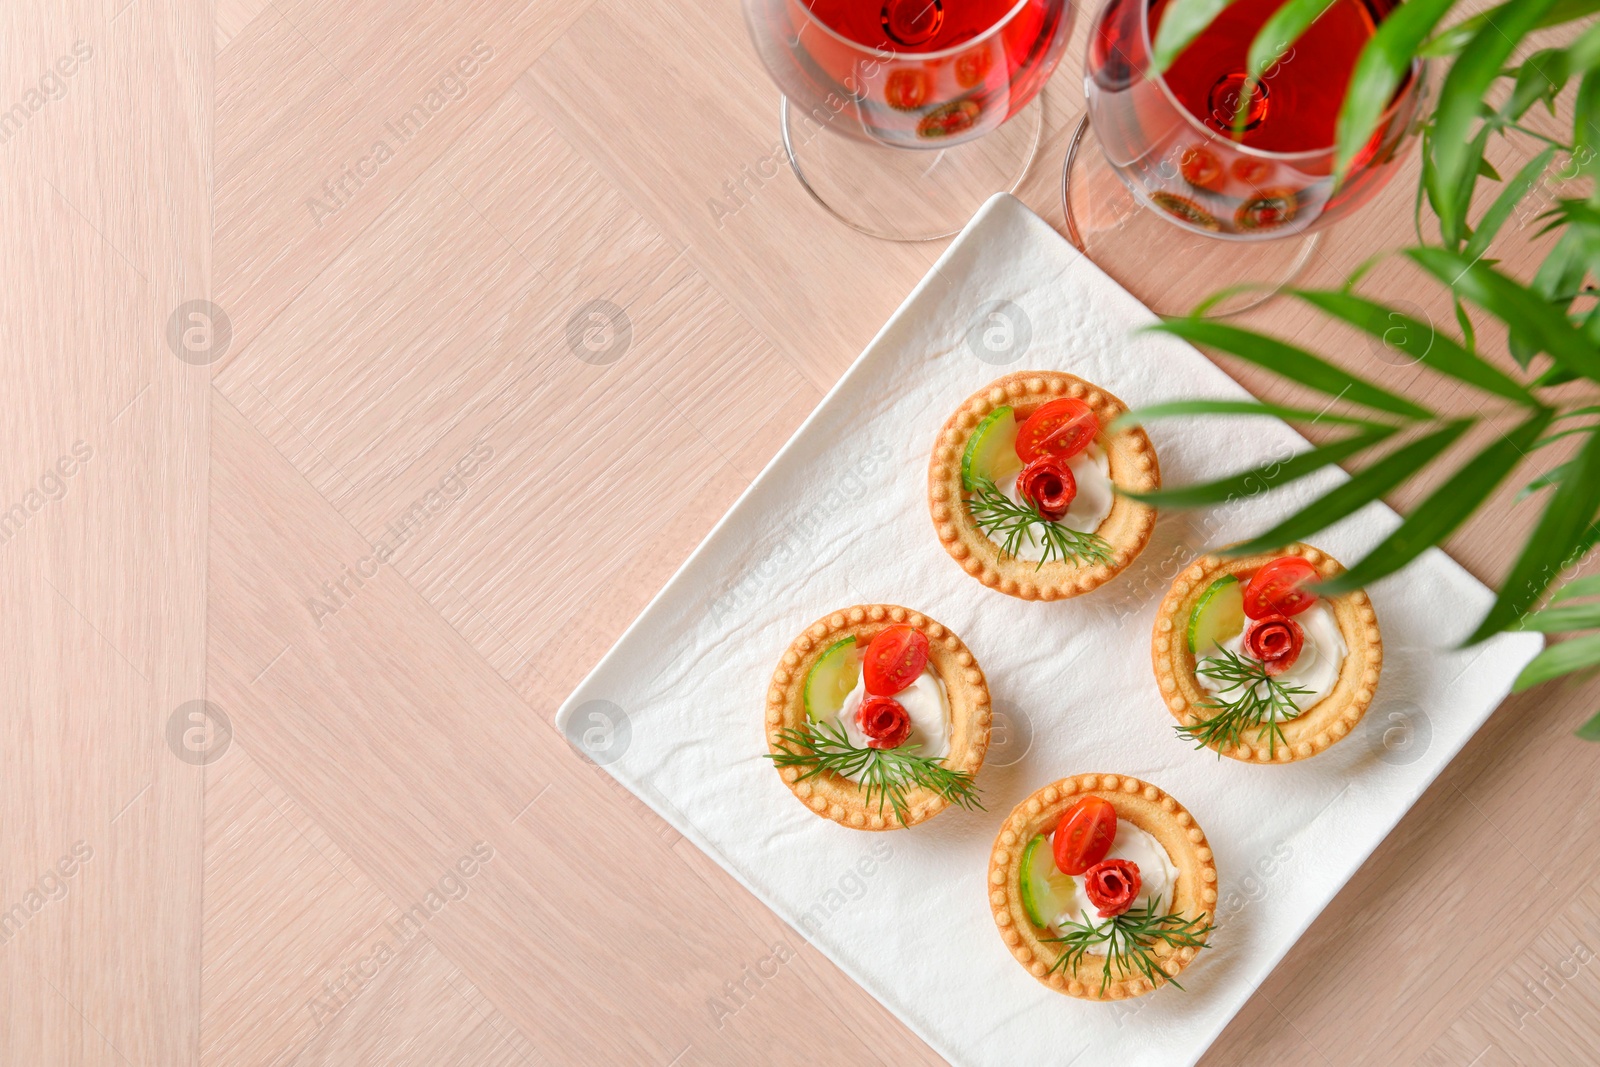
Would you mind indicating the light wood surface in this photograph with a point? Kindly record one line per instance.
(105, 211)
(399, 373)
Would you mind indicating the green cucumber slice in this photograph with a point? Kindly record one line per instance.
(1046, 892)
(991, 450)
(1217, 616)
(831, 679)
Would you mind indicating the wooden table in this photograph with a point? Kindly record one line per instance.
(385, 853)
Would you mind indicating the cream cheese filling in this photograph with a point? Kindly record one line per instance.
(926, 703)
(1091, 469)
(1158, 879)
(1316, 670)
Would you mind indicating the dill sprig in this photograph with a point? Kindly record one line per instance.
(887, 773)
(1009, 522)
(1129, 941)
(1260, 703)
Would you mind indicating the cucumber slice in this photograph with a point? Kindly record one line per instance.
(1217, 616)
(832, 677)
(991, 450)
(1046, 892)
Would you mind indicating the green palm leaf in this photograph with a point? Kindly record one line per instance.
(1560, 276)
(1563, 618)
(1238, 407)
(1520, 308)
(1439, 352)
(1282, 30)
(1564, 658)
(1583, 54)
(1274, 39)
(1444, 510)
(1586, 116)
(1504, 204)
(1564, 529)
(1265, 477)
(1382, 66)
(1450, 196)
(1553, 438)
(1578, 587)
(1362, 489)
(1295, 364)
(1462, 95)
(1541, 76)
(1454, 39)
(1181, 23)
(1545, 480)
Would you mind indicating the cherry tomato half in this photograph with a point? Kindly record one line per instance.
(1275, 589)
(893, 660)
(1060, 428)
(1084, 835)
(1250, 170)
(907, 89)
(973, 67)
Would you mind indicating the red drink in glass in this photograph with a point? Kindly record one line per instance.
(910, 73)
(1176, 139)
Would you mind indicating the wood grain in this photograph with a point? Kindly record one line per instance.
(437, 759)
(104, 205)
(575, 280)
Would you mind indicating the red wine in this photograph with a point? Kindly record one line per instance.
(910, 25)
(1297, 105)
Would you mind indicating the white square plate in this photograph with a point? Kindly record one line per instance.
(840, 517)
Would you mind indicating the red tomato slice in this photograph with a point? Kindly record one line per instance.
(907, 89)
(893, 660)
(1276, 588)
(973, 67)
(1200, 167)
(1250, 170)
(1060, 428)
(1084, 835)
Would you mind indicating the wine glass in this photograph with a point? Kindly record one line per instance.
(895, 112)
(1192, 163)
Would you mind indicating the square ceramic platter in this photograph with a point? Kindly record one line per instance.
(840, 517)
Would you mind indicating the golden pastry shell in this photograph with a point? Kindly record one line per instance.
(1145, 806)
(1133, 466)
(835, 797)
(1328, 720)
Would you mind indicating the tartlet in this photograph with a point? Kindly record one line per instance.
(1146, 807)
(1313, 729)
(836, 797)
(1132, 467)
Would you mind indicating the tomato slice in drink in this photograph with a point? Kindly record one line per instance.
(1277, 589)
(1084, 835)
(973, 67)
(893, 660)
(1250, 170)
(907, 89)
(1061, 428)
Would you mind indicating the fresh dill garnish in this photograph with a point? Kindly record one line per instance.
(1010, 522)
(1129, 941)
(887, 773)
(1260, 704)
